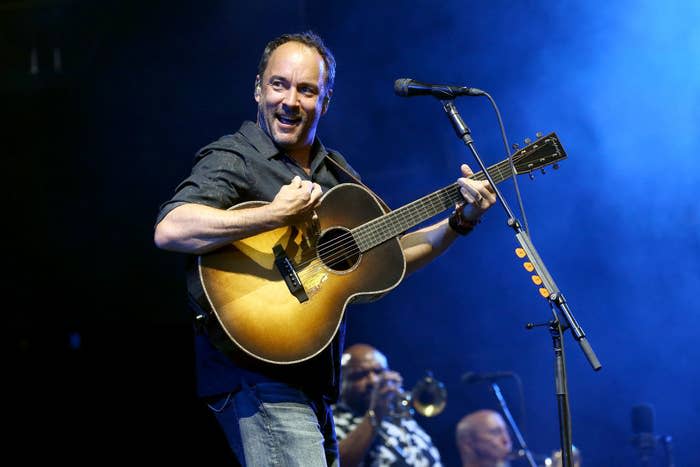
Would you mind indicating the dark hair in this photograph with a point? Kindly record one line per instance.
(308, 38)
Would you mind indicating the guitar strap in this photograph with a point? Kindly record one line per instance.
(356, 180)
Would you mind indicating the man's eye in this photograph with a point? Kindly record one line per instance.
(307, 91)
(277, 85)
(358, 376)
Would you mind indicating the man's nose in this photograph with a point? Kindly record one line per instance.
(291, 97)
(375, 377)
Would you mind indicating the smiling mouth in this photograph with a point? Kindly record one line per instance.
(286, 120)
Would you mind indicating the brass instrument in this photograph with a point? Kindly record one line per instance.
(428, 397)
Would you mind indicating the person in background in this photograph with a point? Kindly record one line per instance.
(373, 428)
(483, 440)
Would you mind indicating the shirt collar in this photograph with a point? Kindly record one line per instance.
(267, 148)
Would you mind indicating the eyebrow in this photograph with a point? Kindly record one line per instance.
(302, 83)
(363, 372)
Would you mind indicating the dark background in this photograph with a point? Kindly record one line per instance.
(105, 103)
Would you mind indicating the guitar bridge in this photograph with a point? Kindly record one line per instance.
(291, 278)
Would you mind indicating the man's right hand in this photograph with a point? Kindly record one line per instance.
(385, 392)
(296, 200)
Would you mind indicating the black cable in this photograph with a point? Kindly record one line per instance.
(510, 160)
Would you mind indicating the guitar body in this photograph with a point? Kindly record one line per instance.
(280, 296)
(254, 305)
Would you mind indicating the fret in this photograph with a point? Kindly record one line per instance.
(544, 151)
(390, 225)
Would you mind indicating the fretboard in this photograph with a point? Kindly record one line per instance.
(383, 228)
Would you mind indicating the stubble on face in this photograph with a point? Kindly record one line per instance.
(290, 97)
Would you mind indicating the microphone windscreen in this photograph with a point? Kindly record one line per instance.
(642, 418)
(401, 86)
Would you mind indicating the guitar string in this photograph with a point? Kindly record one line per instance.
(500, 173)
(378, 225)
(345, 246)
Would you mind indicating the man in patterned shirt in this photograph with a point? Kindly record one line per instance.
(369, 429)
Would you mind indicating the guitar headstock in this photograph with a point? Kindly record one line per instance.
(538, 154)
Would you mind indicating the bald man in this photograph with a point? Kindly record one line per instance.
(369, 429)
(483, 440)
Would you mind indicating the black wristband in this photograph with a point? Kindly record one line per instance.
(461, 225)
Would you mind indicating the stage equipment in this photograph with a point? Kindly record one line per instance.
(562, 316)
(428, 397)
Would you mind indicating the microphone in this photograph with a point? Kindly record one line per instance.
(406, 87)
(472, 377)
(643, 428)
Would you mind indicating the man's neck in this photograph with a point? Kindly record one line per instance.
(302, 157)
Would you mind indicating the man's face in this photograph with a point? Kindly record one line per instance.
(291, 96)
(360, 377)
(491, 440)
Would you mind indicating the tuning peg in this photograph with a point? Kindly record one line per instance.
(528, 141)
(542, 170)
(515, 146)
(531, 175)
(538, 134)
(555, 166)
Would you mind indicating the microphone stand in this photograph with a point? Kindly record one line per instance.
(555, 298)
(497, 392)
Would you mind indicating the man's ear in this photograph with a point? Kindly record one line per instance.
(326, 101)
(258, 90)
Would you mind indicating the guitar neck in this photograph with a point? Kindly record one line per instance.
(383, 228)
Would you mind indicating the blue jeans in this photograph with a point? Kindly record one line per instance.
(276, 424)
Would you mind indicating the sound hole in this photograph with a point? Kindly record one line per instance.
(337, 249)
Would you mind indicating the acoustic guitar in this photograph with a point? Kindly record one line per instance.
(280, 295)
